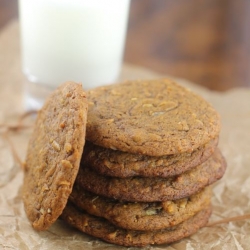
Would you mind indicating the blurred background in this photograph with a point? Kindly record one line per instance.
(207, 42)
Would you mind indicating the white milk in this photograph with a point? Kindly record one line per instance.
(78, 40)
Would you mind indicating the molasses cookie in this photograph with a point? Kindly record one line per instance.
(54, 153)
(155, 118)
(121, 164)
(141, 215)
(101, 228)
(146, 189)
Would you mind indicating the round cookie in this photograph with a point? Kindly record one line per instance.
(121, 164)
(54, 153)
(156, 118)
(101, 228)
(146, 189)
(140, 215)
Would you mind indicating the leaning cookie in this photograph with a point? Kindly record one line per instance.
(54, 153)
(141, 215)
(121, 164)
(156, 118)
(101, 228)
(146, 189)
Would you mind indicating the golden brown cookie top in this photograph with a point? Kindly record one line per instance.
(54, 154)
(156, 117)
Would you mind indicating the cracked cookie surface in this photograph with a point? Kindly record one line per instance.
(154, 117)
(54, 153)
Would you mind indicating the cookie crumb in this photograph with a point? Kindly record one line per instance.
(66, 164)
(56, 145)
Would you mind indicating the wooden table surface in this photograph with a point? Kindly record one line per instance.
(207, 42)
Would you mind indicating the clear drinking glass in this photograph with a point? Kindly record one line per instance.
(76, 40)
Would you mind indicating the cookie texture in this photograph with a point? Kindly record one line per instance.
(141, 215)
(54, 154)
(104, 230)
(156, 118)
(121, 164)
(146, 189)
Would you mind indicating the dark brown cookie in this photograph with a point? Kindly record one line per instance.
(155, 118)
(121, 164)
(140, 215)
(146, 189)
(54, 154)
(101, 228)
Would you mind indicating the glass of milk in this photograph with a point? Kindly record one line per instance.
(71, 40)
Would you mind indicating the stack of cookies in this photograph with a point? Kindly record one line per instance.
(147, 166)
(149, 159)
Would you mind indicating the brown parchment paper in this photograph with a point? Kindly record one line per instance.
(231, 194)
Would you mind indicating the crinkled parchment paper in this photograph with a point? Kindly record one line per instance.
(231, 194)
